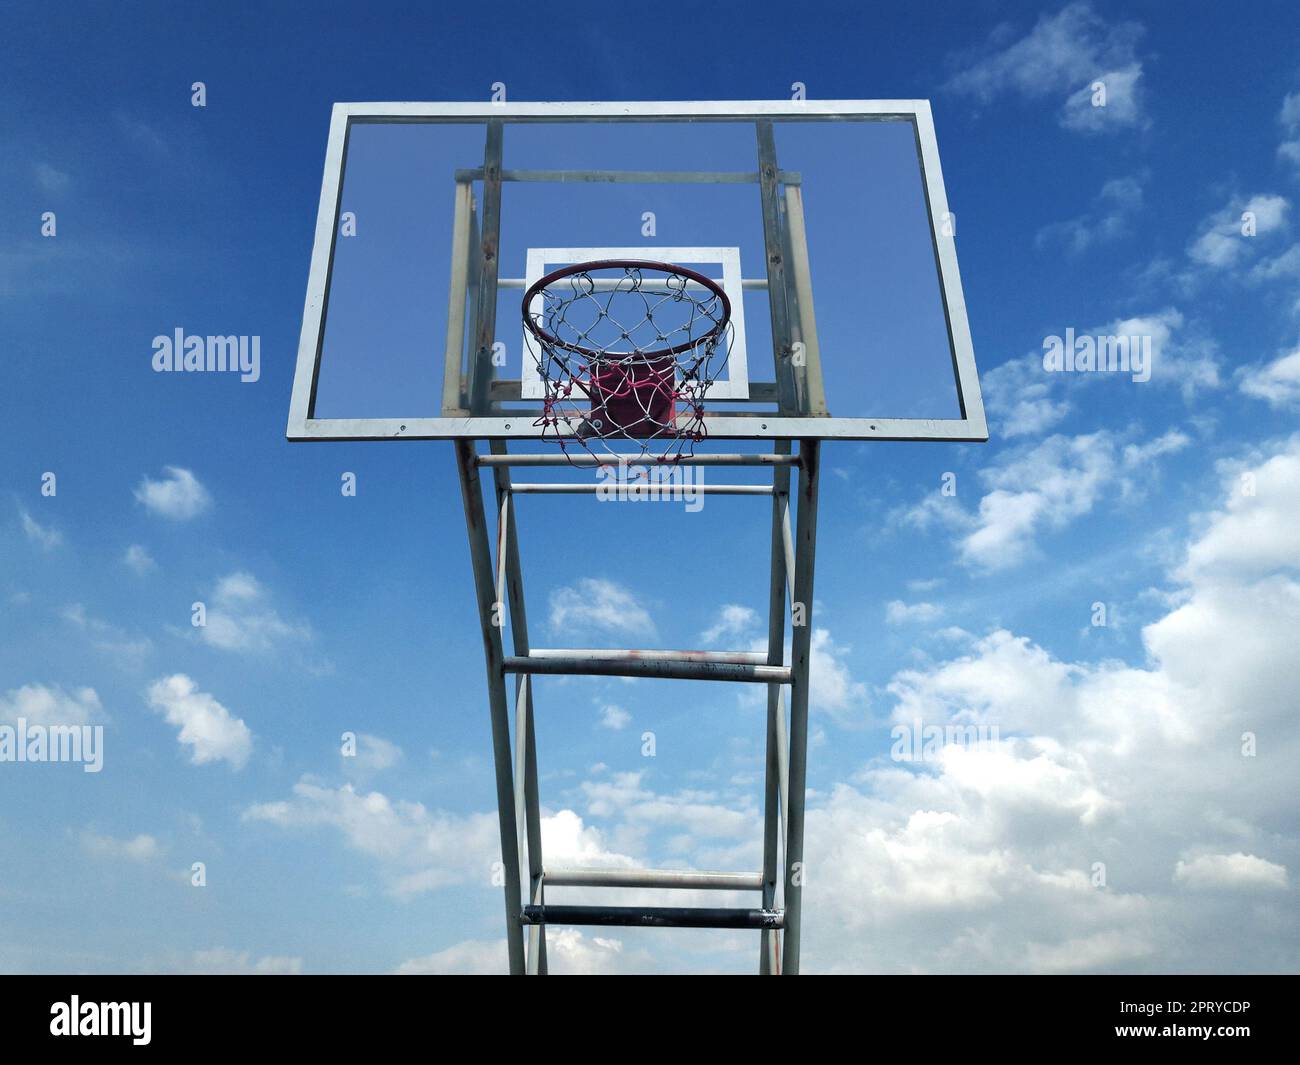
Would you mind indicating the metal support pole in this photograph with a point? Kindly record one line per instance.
(805, 554)
(480, 553)
(512, 570)
(481, 370)
(773, 808)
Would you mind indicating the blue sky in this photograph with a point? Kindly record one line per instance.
(1172, 502)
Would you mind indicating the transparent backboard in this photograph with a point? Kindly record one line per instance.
(826, 224)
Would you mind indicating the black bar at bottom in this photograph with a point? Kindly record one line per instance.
(654, 916)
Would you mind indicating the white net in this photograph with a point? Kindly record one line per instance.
(626, 351)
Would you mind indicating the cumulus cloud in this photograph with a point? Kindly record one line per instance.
(1023, 399)
(138, 559)
(225, 962)
(614, 717)
(241, 618)
(416, 849)
(1277, 382)
(733, 621)
(139, 848)
(40, 704)
(210, 731)
(1063, 56)
(1289, 119)
(899, 613)
(596, 604)
(178, 496)
(373, 755)
(1035, 489)
(1041, 488)
(1221, 242)
(44, 537)
(1099, 832)
(567, 951)
(1109, 219)
(113, 641)
(1231, 871)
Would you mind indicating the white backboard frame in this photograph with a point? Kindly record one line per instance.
(735, 385)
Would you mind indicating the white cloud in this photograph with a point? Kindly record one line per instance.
(45, 538)
(1179, 356)
(179, 496)
(474, 957)
(1062, 56)
(417, 849)
(1110, 218)
(1041, 488)
(1251, 534)
(225, 962)
(1023, 399)
(614, 717)
(138, 559)
(1019, 397)
(598, 604)
(239, 618)
(832, 689)
(128, 651)
(567, 951)
(1277, 383)
(211, 732)
(1085, 112)
(1289, 119)
(1231, 871)
(141, 848)
(1103, 950)
(734, 622)
(1221, 243)
(1038, 488)
(1133, 768)
(373, 755)
(42, 705)
(899, 613)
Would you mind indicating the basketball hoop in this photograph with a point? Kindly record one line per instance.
(626, 350)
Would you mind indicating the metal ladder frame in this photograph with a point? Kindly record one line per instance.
(498, 587)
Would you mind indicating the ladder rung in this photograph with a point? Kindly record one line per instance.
(652, 878)
(676, 665)
(588, 461)
(752, 658)
(654, 916)
(531, 488)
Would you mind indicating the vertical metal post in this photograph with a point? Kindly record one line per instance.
(788, 398)
(452, 384)
(514, 592)
(480, 553)
(489, 264)
(773, 808)
(805, 552)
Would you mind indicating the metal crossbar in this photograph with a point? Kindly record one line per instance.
(498, 583)
(655, 916)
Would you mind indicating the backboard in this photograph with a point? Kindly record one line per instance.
(824, 222)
